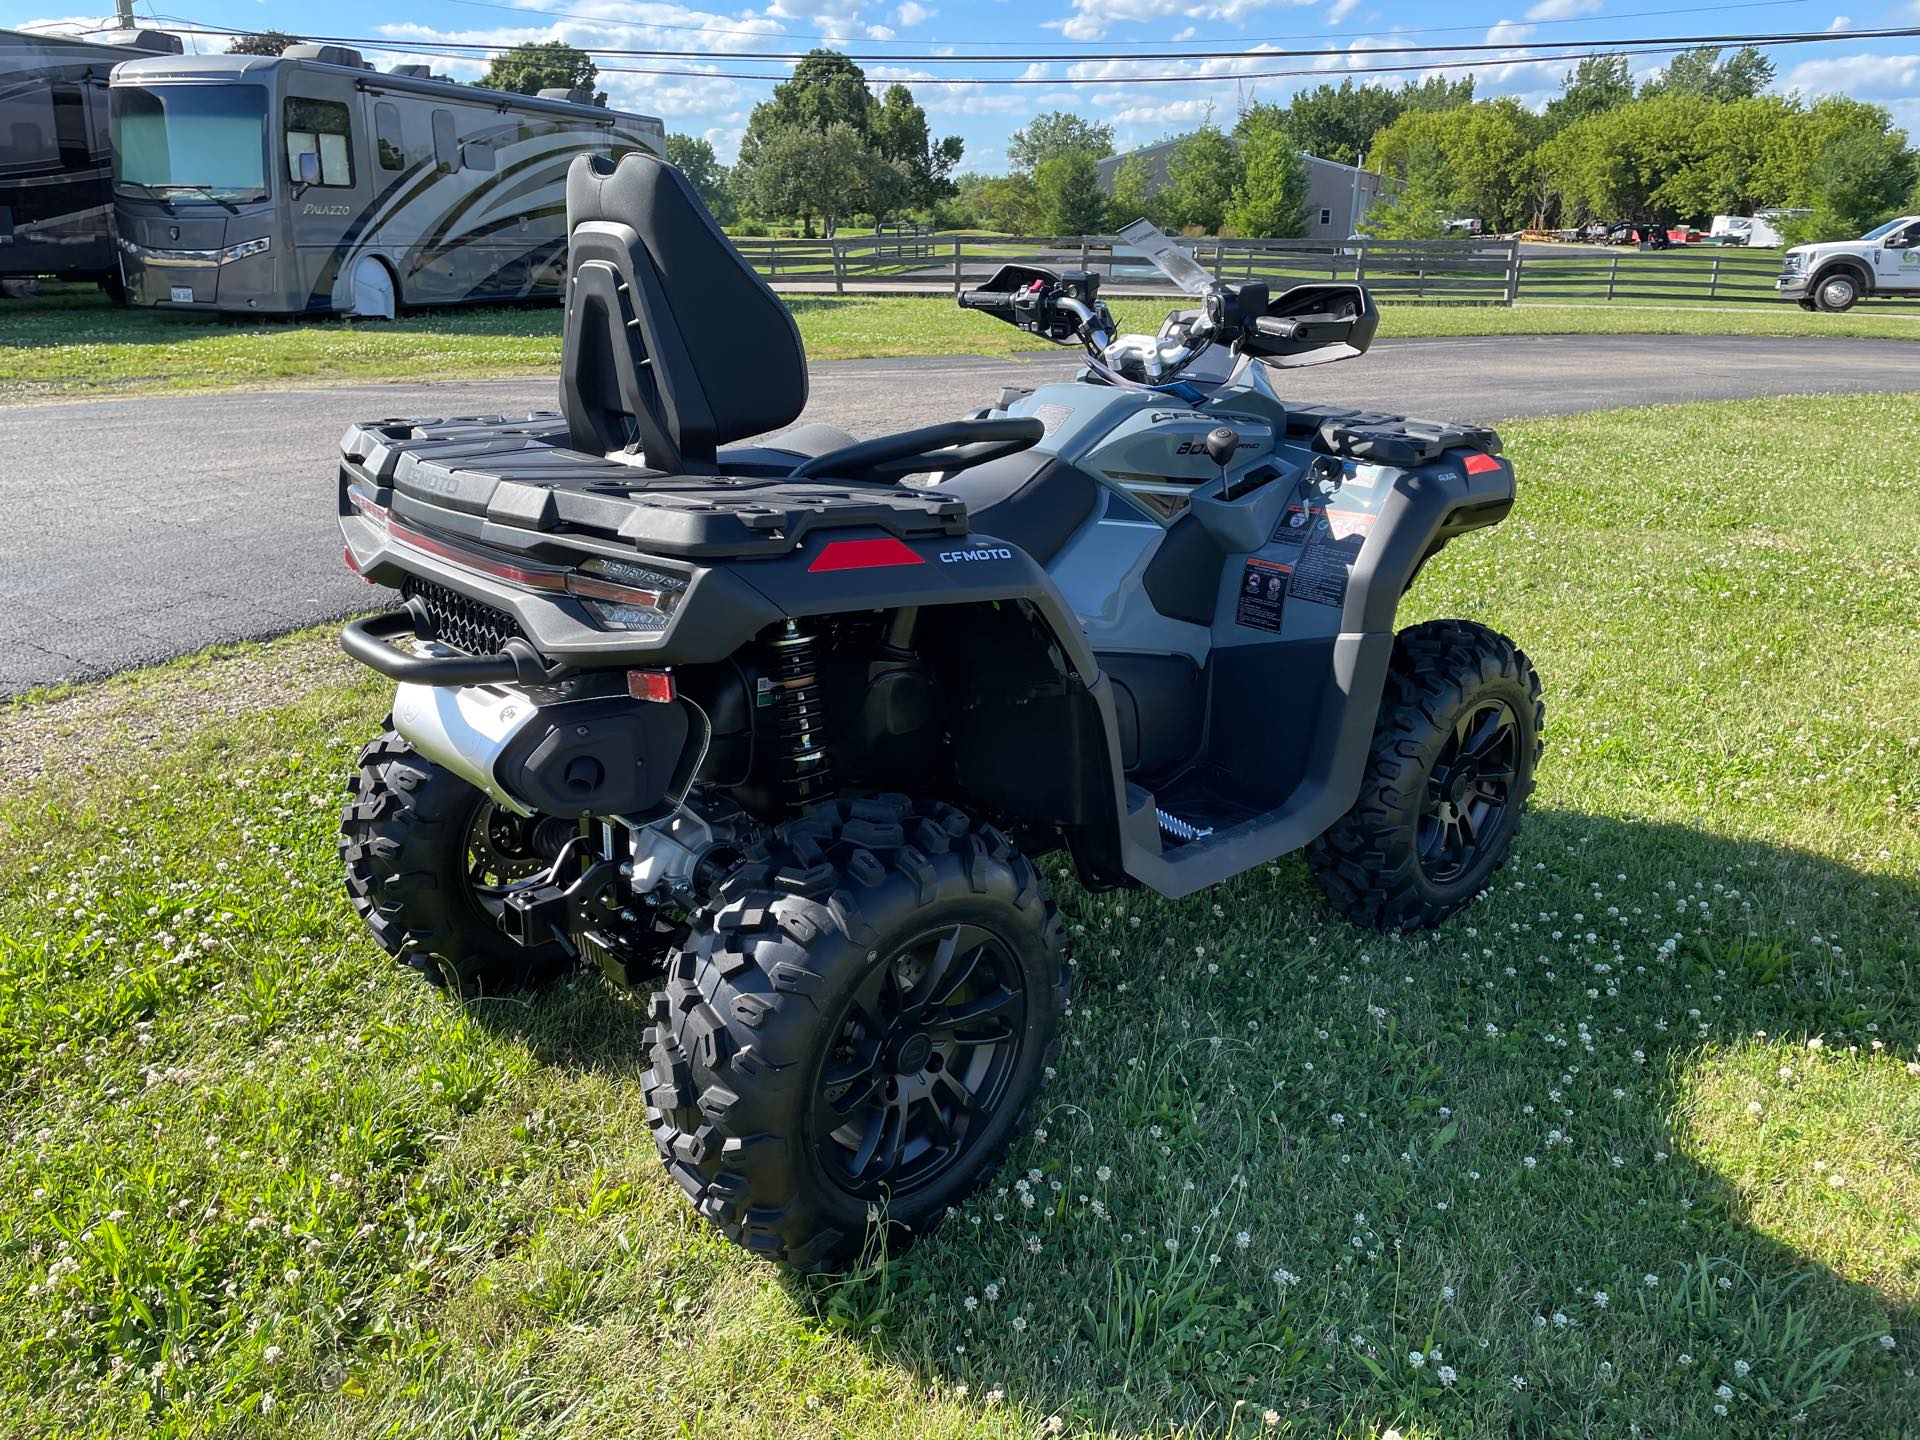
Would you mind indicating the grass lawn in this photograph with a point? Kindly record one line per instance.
(1632, 1147)
(75, 344)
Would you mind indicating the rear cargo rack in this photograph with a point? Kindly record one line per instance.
(518, 475)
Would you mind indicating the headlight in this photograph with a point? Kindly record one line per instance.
(1790, 262)
(623, 595)
(244, 249)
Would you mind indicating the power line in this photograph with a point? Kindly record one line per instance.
(1214, 77)
(1506, 49)
(603, 23)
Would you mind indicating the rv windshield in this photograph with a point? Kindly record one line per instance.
(190, 142)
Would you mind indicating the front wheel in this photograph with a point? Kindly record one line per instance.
(855, 1028)
(1837, 292)
(1446, 782)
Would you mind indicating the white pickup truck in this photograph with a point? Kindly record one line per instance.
(1838, 274)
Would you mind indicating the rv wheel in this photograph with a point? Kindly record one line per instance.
(374, 294)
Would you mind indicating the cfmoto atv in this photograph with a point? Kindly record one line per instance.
(775, 730)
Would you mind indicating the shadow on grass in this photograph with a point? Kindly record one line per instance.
(1374, 1218)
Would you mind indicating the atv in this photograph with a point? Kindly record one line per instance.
(777, 730)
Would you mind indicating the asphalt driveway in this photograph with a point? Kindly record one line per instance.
(135, 530)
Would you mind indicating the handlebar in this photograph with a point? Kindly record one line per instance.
(986, 300)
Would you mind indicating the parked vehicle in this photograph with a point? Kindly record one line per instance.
(1754, 230)
(310, 183)
(777, 733)
(56, 204)
(1838, 274)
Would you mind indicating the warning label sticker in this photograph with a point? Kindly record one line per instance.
(1263, 595)
(1330, 542)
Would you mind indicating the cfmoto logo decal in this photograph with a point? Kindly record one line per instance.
(961, 557)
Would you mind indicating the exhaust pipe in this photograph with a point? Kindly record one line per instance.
(605, 755)
(465, 729)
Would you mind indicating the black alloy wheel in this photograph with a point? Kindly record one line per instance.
(929, 1042)
(1470, 790)
(855, 1027)
(1446, 780)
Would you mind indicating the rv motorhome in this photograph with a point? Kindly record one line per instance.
(310, 183)
(56, 207)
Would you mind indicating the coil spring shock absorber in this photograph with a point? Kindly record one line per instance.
(804, 765)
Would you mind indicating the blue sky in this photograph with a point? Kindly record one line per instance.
(1886, 71)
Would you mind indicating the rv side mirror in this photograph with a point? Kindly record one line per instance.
(1313, 324)
(306, 168)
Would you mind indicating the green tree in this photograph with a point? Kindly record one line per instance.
(1420, 206)
(693, 157)
(1270, 201)
(1743, 75)
(1057, 132)
(899, 134)
(264, 42)
(1339, 122)
(1488, 149)
(543, 65)
(994, 202)
(1066, 190)
(1597, 83)
(1860, 180)
(1133, 195)
(1202, 173)
(799, 173)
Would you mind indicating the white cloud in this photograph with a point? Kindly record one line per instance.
(913, 13)
(1893, 77)
(1840, 22)
(1507, 32)
(1564, 9)
(1340, 9)
(1091, 19)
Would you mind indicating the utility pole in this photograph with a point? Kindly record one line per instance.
(126, 15)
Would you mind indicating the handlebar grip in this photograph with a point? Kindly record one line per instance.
(1278, 327)
(986, 300)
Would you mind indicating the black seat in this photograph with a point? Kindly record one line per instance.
(778, 454)
(673, 345)
(1034, 501)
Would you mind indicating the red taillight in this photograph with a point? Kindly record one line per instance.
(475, 560)
(1480, 464)
(865, 555)
(655, 685)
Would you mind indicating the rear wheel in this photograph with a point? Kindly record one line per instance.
(430, 861)
(1836, 291)
(1446, 782)
(855, 1028)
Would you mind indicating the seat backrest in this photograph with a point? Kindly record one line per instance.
(674, 346)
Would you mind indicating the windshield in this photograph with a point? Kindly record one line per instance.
(1880, 232)
(190, 142)
(1168, 258)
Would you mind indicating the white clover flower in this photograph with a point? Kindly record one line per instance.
(1242, 1240)
(1723, 1390)
(1741, 1369)
(1416, 1359)
(1019, 1322)
(1650, 1280)
(1600, 1299)
(1447, 1374)
(1887, 1342)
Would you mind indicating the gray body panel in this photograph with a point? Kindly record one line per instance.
(1312, 558)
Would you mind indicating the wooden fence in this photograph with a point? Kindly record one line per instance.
(1446, 272)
